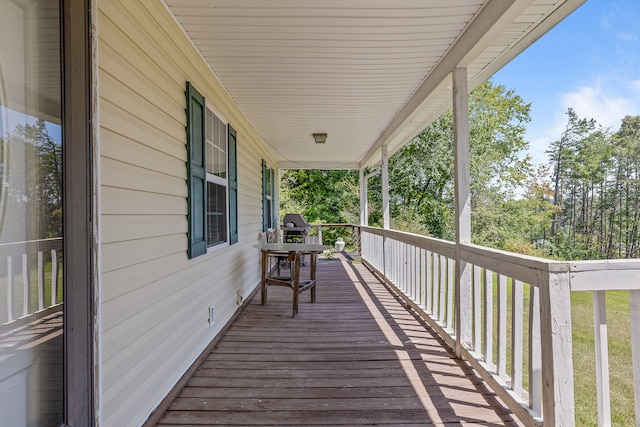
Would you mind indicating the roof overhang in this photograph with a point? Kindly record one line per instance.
(366, 72)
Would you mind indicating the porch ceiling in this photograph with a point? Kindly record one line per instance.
(366, 72)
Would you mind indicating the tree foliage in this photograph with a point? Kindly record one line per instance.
(597, 190)
(421, 176)
(33, 179)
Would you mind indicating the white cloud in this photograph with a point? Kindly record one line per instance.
(627, 37)
(604, 103)
(607, 106)
(541, 138)
(635, 86)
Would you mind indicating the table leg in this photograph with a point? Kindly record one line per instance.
(312, 272)
(296, 282)
(263, 283)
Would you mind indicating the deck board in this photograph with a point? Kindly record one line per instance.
(356, 357)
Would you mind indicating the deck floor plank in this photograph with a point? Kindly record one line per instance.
(356, 357)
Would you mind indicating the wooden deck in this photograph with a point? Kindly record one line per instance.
(356, 357)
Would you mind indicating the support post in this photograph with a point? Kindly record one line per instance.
(463, 314)
(557, 364)
(364, 199)
(385, 188)
(276, 202)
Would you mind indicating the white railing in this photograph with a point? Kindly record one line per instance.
(29, 280)
(512, 318)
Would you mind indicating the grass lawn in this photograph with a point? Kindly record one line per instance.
(620, 363)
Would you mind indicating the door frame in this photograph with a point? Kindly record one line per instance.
(79, 218)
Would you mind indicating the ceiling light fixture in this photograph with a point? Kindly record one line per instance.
(320, 138)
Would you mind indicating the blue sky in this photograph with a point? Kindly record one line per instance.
(589, 62)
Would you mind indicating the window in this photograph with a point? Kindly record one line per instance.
(212, 177)
(268, 208)
(216, 154)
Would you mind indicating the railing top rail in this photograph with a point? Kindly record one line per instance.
(605, 275)
(516, 265)
(592, 275)
(29, 246)
(334, 225)
(443, 247)
(529, 261)
(605, 264)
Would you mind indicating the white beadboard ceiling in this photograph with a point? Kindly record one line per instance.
(366, 72)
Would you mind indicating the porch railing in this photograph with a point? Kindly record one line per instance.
(512, 320)
(29, 281)
(355, 233)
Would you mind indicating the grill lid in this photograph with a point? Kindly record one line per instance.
(297, 219)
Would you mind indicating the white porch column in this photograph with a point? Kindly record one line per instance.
(364, 199)
(558, 403)
(276, 201)
(463, 206)
(385, 188)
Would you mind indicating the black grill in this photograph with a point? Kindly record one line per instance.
(294, 228)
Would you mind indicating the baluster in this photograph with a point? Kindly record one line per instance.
(54, 276)
(9, 289)
(634, 306)
(602, 358)
(502, 327)
(443, 289)
(517, 313)
(488, 318)
(436, 286)
(25, 285)
(535, 351)
(40, 280)
(428, 283)
(477, 307)
(450, 289)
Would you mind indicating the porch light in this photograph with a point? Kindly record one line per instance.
(320, 138)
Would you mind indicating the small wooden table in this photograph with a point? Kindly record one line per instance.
(293, 252)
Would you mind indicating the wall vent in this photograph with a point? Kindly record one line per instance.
(211, 315)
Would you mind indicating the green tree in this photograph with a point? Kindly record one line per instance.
(626, 143)
(420, 182)
(321, 196)
(421, 173)
(41, 169)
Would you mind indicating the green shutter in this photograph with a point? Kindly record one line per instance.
(196, 173)
(233, 187)
(265, 205)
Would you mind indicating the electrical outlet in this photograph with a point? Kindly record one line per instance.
(239, 298)
(211, 316)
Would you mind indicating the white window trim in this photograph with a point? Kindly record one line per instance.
(220, 181)
(270, 197)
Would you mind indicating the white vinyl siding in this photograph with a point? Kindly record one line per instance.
(154, 300)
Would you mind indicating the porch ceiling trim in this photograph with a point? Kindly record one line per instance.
(485, 20)
(369, 73)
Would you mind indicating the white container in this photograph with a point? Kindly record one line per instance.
(339, 245)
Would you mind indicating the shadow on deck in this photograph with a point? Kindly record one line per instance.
(356, 357)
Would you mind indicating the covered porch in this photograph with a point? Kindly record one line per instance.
(394, 339)
(366, 77)
(358, 356)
